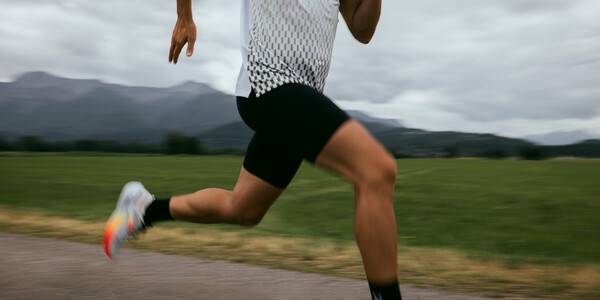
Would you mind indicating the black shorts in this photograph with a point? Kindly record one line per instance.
(291, 123)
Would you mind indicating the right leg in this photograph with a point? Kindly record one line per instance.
(268, 168)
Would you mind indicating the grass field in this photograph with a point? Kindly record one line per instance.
(511, 211)
(542, 211)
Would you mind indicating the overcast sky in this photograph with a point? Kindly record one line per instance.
(512, 67)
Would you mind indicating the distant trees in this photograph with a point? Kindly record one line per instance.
(175, 143)
(450, 152)
(532, 152)
(494, 154)
(4, 145)
(89, 145)
(33, 143)
(588, 148)
(401, 155)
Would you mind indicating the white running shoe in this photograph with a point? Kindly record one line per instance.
(127, 219)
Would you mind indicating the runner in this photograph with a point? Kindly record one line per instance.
(286, 50)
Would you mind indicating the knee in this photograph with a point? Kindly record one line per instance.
(250, 219)
(247, 217)
(379, 173)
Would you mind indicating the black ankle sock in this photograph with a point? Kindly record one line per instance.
(158, 210)
(385, 291)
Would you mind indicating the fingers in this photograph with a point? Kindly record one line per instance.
(172, 48)
(191, 40)
(177, 51)
(182, 34)
(190, 47)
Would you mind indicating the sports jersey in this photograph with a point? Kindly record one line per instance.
(286, 41)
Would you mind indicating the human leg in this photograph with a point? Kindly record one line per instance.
(244, 205)
(267, 169)
(356, 156)
(325, 135)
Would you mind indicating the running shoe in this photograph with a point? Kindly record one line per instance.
(127, 219)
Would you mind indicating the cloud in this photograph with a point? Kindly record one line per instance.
(499, 60)
(118, 41)
(504, 66)
(424, 109)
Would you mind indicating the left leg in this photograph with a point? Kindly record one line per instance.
(245, 205)
(330, 139)
(356, 156)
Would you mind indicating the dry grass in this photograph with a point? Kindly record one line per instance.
(424, 267)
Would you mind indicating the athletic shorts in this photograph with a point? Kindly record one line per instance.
(291, 123)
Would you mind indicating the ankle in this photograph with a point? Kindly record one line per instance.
(157, 211)
(385, 291)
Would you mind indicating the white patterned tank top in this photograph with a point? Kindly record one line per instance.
(286, 41)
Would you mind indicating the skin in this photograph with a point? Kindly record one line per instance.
(184, 31)
(373, 176)
(362, 17)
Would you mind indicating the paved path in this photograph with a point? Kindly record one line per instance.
(40, 268)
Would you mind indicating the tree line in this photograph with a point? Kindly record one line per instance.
(173, 143)
(528, 152)
(176, 143)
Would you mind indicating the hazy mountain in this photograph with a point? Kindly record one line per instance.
(560, 137)
(420, 142)
(587, 148)
(232, 135)
(59, 108)
(365, 118)
(31, 85)
(56, 108)
(400, 140)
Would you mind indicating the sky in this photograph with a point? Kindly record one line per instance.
(509, 67)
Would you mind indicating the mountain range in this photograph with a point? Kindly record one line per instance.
(63, 109)
(557, 138)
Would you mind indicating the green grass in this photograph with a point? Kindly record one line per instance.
(517, 211)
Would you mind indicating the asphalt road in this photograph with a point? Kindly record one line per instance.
(41, 268)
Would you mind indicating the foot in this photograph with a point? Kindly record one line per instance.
(127, 219)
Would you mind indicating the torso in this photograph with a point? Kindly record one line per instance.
(285, 41)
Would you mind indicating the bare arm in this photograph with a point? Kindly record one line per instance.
(362, 17)
(184, 31)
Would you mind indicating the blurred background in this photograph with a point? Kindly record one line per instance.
(492, 109)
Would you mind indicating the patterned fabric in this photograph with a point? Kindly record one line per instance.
(243, 88)
(291, 42)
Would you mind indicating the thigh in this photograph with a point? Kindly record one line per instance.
(352, 152)
(271, 160)
(267, 169)
(297, 115)
(252, 195)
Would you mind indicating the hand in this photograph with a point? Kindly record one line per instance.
(183, 33)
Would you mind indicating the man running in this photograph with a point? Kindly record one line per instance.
(286, 50)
